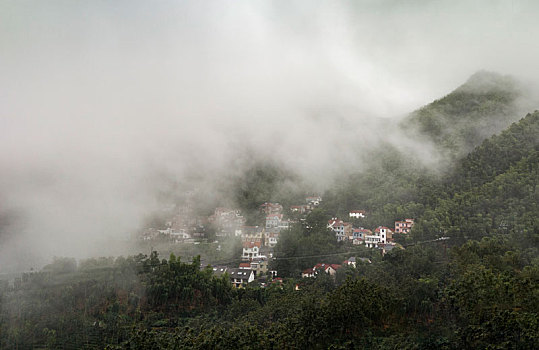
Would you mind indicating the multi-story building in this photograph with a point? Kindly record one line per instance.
(342, 229)
(404, 226)
(381, 235)
(358, 235)
(251, 250)
(274, 220)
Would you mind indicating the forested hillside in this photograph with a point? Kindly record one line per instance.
(476, 289)
(491, 191)
(479, 108)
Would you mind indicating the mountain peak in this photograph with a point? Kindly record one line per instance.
(486, 81)
(484, 105)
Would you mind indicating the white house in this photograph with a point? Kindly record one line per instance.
(251, 250)
(381, 235)
(308, 273)
(239, 277)
(271, 239)
(357, 214)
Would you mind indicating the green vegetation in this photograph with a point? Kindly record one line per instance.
(461, 120)
(476, 290)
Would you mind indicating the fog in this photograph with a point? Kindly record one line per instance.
(105, 103)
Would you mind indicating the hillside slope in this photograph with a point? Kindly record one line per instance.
(486, 104)
(491, 191)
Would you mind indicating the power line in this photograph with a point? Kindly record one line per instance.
(312, 256)
(429, 241)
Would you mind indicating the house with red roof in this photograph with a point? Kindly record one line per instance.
(330, 269)
(381, 235)
(308, 273)
(245, 265)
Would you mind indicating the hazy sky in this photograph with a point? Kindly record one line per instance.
(101, 100)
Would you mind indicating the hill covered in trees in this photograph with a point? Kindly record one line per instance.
(476, 290)
(458, 122)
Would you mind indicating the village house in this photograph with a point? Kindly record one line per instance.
(387, 247)
(245, 265)
(356, 214)
(308, 273)
(241, 277)
(271, 239)
(218, 271)
(381, 235)
(404, 226)
(252, 234)
(259, 266)
(352, 261)
(358, 235)
(342, 229)
(251, 250)
(271, 208)
(330, 269)
(273, 220)
(314, 200)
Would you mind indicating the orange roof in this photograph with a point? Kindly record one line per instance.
(251, 244)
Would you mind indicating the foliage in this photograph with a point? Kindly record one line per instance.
(479, 289)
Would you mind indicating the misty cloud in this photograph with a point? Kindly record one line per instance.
(102, 103)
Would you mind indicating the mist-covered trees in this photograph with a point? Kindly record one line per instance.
(458, 122)
(477, 290)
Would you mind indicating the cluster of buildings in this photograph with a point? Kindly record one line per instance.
(246, 273)
(381, 237)
(258, 241)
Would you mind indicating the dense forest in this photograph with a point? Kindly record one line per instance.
(475, 289)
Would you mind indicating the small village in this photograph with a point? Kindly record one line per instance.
(258, 242)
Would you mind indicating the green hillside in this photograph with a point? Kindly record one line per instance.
(456, 123)
(491, 191)
(476, 290)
